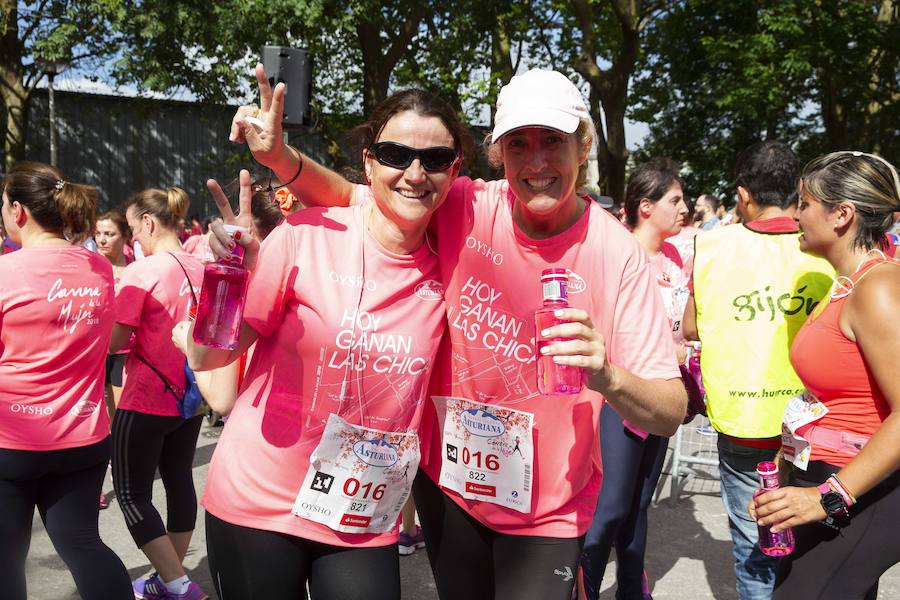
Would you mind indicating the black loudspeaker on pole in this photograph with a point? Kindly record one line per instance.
(293, 67)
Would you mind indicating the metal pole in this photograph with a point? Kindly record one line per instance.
(52, 104)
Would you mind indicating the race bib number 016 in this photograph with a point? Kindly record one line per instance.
(488, 452)
(358, 479)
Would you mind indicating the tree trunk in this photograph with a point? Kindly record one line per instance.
(610, 85)
(501, 61)
(12, 87)
(378, 64)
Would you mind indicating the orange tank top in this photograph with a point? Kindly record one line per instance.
(833, 369)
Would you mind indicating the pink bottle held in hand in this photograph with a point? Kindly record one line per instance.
(554, 379)
(222, 297)
(772, 544)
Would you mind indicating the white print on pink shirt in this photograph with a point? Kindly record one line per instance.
(477, 310)
(484, 250)
(186, 288)
(29, 409)
(351, 281)
(85, 310)
(360, 333)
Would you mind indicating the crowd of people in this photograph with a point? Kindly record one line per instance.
(386, 363)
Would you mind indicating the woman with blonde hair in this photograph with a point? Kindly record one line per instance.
(56, 314)
(844, 495)
(149, 432)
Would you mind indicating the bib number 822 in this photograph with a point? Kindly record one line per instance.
(353, 486)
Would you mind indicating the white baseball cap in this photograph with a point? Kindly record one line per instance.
(539, 98)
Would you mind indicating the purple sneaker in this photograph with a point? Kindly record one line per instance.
(149, 588)
(410, 543)
(193, 592)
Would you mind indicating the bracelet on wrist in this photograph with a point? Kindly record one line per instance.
(299, 169)
(838, 487)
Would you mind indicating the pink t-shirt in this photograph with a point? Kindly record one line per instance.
(153, 296)
(672, 279)
(684, 243)
(56, 316)
(491, 272)
(323, 286)
(198, 245)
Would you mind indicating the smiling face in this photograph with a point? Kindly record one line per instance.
(110, 241)
(542, 167)
(666, 215)
(409, 196)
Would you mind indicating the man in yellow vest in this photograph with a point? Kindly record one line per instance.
(752, 289)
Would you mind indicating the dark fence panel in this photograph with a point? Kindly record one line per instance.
(123, 145)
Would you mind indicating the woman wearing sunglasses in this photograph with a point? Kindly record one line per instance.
(346, 309)
(509, 522)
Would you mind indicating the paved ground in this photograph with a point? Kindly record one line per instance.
(689, 552)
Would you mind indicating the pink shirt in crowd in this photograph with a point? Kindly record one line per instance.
(56, 316)
(491, 272)
(198, 245)
(153, 295)
(323, 286)
(672, 279)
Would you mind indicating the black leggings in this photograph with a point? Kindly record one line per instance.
(631, 469)
(473, 562)
(248, 563)
(842, 565)
(64, 485)
(142, 444)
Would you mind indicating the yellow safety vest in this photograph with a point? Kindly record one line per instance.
(753, 291)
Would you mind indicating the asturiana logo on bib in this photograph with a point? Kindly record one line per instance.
(482, 423)
(83, 408)
(576, 283)
(375, 452)
(430, 290)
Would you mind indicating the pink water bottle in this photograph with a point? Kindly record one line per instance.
(222, 297)
(772, 544)
(553, 378)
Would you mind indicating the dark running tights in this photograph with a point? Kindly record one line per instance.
(631, 470)
(65, 487)
(473, 562)
(846, 564)
(142, 444)
(246, 564)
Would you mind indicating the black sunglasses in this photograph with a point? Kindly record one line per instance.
(398, 156)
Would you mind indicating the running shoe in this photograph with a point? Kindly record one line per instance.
(150, 588)
(193, 592)
(104, 503)
(410, 543)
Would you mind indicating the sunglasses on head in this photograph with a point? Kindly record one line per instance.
(398, 156)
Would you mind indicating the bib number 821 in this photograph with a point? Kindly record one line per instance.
(353, 486)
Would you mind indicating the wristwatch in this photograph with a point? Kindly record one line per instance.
(832, 502)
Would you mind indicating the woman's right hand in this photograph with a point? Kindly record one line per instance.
(260, 126)
(220, 241)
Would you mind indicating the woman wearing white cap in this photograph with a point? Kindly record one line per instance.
(504, 514)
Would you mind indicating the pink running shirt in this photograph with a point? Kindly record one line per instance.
(56, 315)
(491, 272)
(323, 286)
(153, 295)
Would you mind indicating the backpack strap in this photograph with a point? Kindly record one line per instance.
(183, 270)
(171, 388)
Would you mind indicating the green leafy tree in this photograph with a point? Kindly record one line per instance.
(33, 33)
(722, 75)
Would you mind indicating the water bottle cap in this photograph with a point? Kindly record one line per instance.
(767, 468)
(555, 273)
